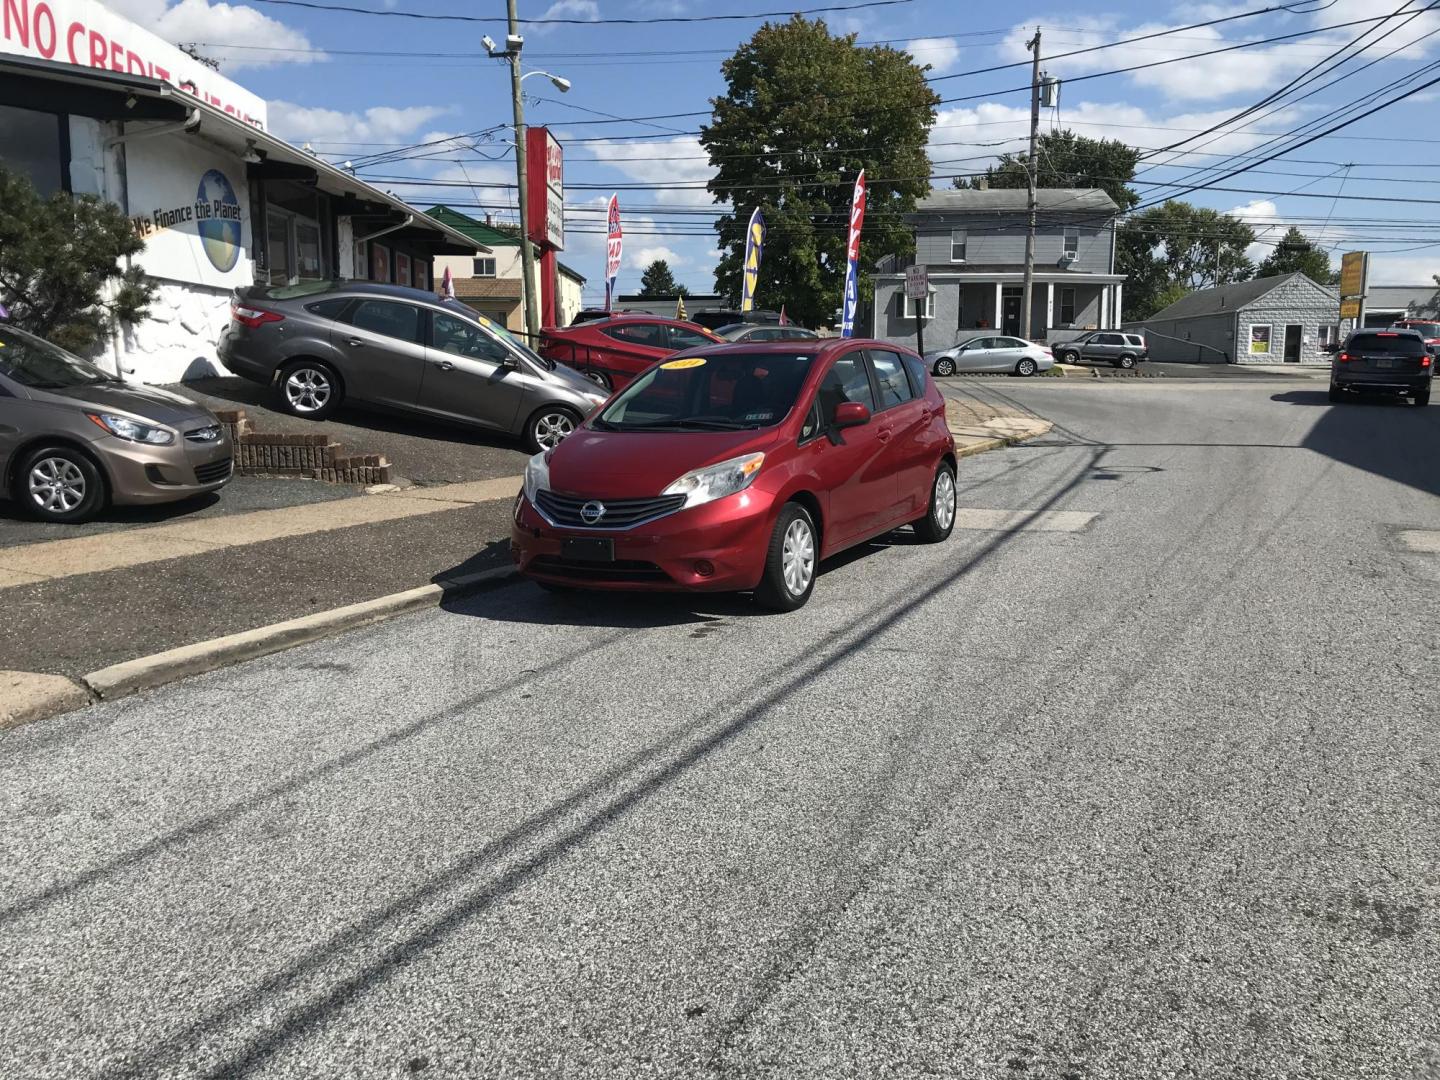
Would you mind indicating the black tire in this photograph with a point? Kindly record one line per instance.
(1422, 398)
(1068, 357)
(939, 522)
(310, 389)
(1336, 394)
(549, 426)
(775, 591)
(1026, 367)
(600, 379)
(1127, 362)
(944, 366)
(60, 484)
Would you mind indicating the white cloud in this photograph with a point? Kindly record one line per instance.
(588, 10)
(1263, 216)
(1403, 269)
(664, 161)
(383, 123)
(223, 24)
(942, 54)
(646, 255)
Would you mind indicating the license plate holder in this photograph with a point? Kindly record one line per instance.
(1384, 365)
(588, 549)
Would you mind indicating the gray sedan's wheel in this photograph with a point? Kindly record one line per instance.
(310, 389)
(56, 483)
(945, 366)
(1026, 366)
(550, 426)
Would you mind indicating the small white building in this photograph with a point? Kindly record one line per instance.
(91, 103)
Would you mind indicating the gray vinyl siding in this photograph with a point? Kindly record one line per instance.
(994, 241)
(1224, 336)
(1208, 339)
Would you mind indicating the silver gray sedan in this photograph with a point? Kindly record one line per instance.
(992, 353)
(319, 343)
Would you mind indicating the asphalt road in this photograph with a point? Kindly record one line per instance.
(1156, 798)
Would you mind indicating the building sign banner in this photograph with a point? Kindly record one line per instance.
(545, 177)
(852, 258)
(754, 251)
(420, 272)
(1260, 340)
(87, 34)
(1354, 274)
(614, 244)
(193, 223)
(379, 263)
(402, 268)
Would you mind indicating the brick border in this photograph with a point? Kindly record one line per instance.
(310, 457)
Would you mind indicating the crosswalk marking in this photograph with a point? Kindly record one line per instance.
(1426, 541)
(1023, 520)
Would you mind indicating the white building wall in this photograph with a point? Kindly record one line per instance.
(507, 264)
(568, 298)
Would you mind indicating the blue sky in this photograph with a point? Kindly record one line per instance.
(347, 105)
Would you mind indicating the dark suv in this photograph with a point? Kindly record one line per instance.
(1120, 348)
(1383, 361)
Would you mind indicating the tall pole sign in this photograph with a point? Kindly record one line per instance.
(852, 258)
(1354, 272)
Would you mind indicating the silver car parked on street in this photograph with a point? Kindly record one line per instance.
(992, 352)
(319, 343)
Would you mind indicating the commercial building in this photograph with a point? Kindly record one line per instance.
(91, 103)
(1386, 303)
(972, 245)
(1283, 319)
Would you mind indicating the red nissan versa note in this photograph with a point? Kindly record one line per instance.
(739, 467)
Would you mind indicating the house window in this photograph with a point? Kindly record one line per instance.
(908, 307)
(1072, 239)
(1067, 306)
(1328, 336)
(957, 245)
(484, 267)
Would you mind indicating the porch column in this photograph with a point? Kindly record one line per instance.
(1104, 307)
(1049, 310)
(1119, 306)
(998, 318)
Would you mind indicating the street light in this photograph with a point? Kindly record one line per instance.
(514, 42)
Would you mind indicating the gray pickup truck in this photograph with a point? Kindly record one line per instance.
(1121, 348)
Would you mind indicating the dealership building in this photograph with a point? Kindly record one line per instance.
(93, 104)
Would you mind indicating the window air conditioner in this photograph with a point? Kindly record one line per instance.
(1068, 256)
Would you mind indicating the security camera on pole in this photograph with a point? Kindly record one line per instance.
(514, 42)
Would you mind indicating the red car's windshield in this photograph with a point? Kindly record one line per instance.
(704, 393)
(1429, 330)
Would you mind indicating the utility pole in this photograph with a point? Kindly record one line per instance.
(1031, 169)
(527, 254)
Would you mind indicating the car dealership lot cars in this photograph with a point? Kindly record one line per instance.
(1385, 362)
(610, 352)
(74, 438)
(992, 352)
(740, 467)
(403, 349)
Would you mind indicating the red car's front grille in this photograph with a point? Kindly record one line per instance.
(619, 513)
(620, 570)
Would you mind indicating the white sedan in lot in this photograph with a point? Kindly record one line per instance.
(996, 353)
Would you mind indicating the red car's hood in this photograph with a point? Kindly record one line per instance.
(638, 464)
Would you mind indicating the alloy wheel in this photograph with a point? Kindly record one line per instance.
(944, 499)
(945, 366)
(599, 379)
(1026, 367)
(552, 428)
(57, 485)
(308, 390)
(798, 557)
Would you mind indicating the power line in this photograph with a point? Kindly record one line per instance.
(350, 9)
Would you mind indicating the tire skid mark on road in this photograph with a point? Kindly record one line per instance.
(646, 772)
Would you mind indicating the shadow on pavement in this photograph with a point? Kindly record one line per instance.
(1381, 434)
(159, 513)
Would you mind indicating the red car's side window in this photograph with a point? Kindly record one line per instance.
(647, 334)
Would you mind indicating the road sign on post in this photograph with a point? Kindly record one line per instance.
(1354, 272)
(917, 291)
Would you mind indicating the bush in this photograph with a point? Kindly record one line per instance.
(60, 271)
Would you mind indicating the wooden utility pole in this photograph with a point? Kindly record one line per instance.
(527, 254)
(1031, 168)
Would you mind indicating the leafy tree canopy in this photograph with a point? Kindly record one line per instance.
(60, 275)
(1176, 243)
(803, 112)
(657, 280)
(1067, 160)
(1296, 254)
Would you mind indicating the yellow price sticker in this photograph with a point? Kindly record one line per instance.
(483, 320)
(681, 365)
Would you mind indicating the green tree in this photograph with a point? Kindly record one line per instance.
(1067, 160)
(1296, 254)
(60, 272)
(1179, 244)
(657, 280)
(803, 112)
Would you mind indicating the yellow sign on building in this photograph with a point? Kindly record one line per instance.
(1353, 265)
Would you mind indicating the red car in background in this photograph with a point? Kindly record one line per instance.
(613, 351)
(1429, 329)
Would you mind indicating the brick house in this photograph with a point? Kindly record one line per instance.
(1286, 318)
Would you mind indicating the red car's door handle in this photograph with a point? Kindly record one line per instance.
(884, 434)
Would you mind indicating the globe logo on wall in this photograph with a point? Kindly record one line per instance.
(219, 214)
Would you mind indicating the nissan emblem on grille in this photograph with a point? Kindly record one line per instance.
(592, 512)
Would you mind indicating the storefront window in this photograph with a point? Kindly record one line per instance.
(295, 245)
(31, 144)
(277, 246)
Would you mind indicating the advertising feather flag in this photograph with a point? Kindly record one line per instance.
(614, 243)
(852, 258)
(754, 251)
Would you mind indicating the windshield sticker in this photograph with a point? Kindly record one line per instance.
(681, 365)
(759, 416)
(483, 320)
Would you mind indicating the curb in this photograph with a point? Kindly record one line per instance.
(55, 694)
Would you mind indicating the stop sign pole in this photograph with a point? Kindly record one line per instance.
(917, 290)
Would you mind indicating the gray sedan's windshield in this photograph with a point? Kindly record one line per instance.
(35, 363)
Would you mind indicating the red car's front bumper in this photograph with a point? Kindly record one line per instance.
(718, 547)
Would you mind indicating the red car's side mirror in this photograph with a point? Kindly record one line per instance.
(851, 414)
